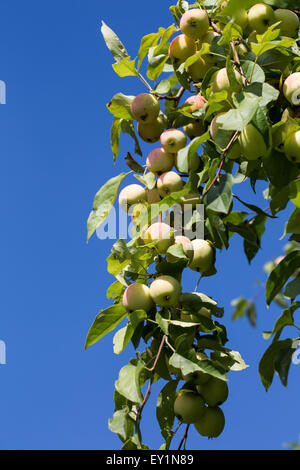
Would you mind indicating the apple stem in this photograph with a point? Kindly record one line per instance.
(184, 437)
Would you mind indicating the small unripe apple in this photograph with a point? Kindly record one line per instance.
(165, 291)
(132, 194)
(235, 151)
(252, 143)
(221, 81)
(153, 196)
(214, 392)
(198, 69)
(173, 140)
(145, 108)
(261, 17)
(151, 132)
(196, 102)
(195, 129)
(181, 48)
(252, 37)
(194, 23)
(162, 234)
(189, 407)
(208, 37)
(241, 18)
(280, 133)
(159, 161)
(292, 147)
(137, 297)
(203, 256)
(211, 423)
(289, 22)
(291, 88)
(168, 183)
(193, 164)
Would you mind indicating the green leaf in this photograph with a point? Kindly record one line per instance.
(148, 41)
(253, 72)
(267, 363)
(237, 119)
(127, 127)
(105, 322)
(115, 137)
(113, 43)
(122, 338)
(286, 319)
(119, 106)
(219, 199)
(280, 274)
(128, 383)
(188, 363)
(292, 289)
(184, 155)
(103, 202)
(121, 424)
(165, 410)
(125, 68)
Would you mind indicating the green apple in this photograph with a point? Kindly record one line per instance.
(198, 69)
(159, 161)
(162, 234)
(214, 392)
(132, 194)
(189, 407)
(221, 81)
(173, 140)
(252, 37)
(195, 129)
(252, 143)
(137, 297)
(168, 183)
(292, 147)
(235, 151)
(181, 48)
(218, 135)
(145, 108)
(165, 291)
(208, 37)
(203, 258)
(193, 164)
(261, 17)
(194, 23)
(289, 22)
(151, 132)
(211, 423)
(196, 102)
(291, 88)
(241, 19)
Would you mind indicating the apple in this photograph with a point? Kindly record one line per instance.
(218, 135)
(132, 194)
(235, 151)
(145, 108)
(214, 392)
(165, 291)
(203, 258)
(162, 234)
(169, 182)
(208, 37)
(241, 19)
(252, 37)
(291, 88)
(211, 423)
(194, 23)
(260, 17)
(151, 132)
(159, 161)
(189, 407)
(289, 22)
(252, 143)
(181, 48)
(153, 196)
(196, 102)
(221, 81)
(292, 147)
(198, 69)
(173, 140)
(280, 133)
(195, 129)
(137, 297)
(193, 164)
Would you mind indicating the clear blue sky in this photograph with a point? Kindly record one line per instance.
(55, 155)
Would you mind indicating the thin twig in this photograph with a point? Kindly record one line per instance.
(221, 164)
(175, 98)
(184, 438)
(238, 64)
(147, 395)
(196, 288)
